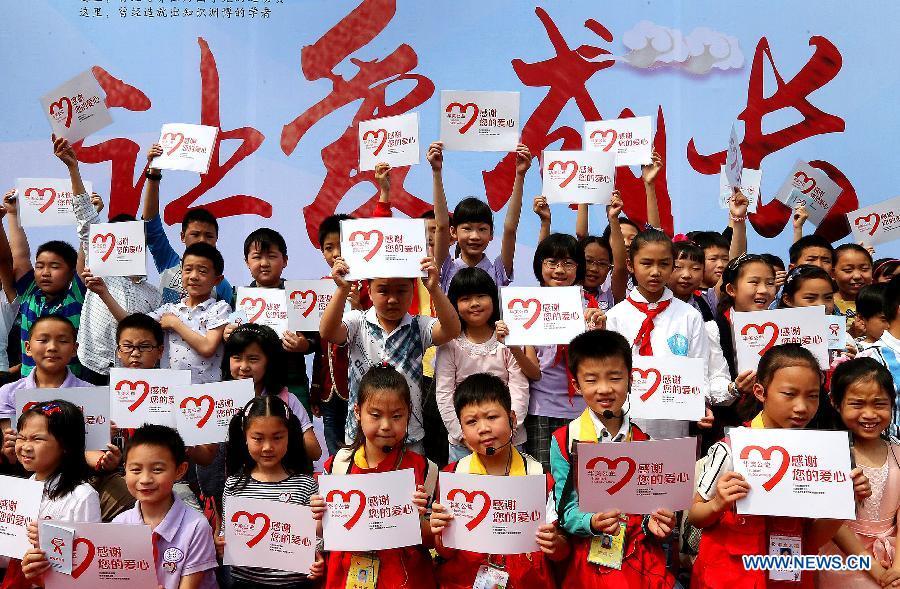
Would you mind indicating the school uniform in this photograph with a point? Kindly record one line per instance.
(887, 351)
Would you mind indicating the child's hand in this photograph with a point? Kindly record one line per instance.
(9, 202)
(745, 381)
(228, 329)
(861, 486)
(595, 318)
(420, 499)
(615, 205)
(338, 271)
(317, 506)
(9, 445)
(93, 283)
(353, 297)
(154, 152)
(501, 330)
(523, 159)
(97, 202)
(780, 278)
(549, 539)
(383, 176)
(607, 522)
(32, 532)
(440, 517)
(800, 215)
(292, 341)
(661, 523)
(435, 155)
(317, 569)
(64, 152)
(707, 421)
(890, 577)
(169, 320)
(110, 459)
(868, 248)
(34, 564)
(738, 204)
(731, 487)
(432, 281)
(219, 542)
(541, 208)
(649, 172)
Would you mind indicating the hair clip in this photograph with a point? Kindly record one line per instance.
(50, 408)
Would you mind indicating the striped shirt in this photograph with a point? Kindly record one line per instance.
(34, 305)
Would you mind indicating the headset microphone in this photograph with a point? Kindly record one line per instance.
(387, 449)
(490, 450)
(607, 414)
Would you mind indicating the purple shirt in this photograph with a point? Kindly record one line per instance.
(8, 391)
(495, 269)
(550, 396)
(183, 542)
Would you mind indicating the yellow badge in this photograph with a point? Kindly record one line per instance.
(608, 550)
(363, 572)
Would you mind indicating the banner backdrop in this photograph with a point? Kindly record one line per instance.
(287, 81)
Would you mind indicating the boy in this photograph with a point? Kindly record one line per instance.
(852, 270)
(600, 362)
(715, 257)
(198, 225)
(484, 408)
(887, 349)
(813, 250)
(870, 319)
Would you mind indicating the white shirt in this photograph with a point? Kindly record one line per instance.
(603, 434)
(717, 373)
(179, 354)
(81, 505)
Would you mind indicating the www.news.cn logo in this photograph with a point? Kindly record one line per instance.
(806, 562)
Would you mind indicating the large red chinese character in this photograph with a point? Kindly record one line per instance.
(370, 84)
(821, 68)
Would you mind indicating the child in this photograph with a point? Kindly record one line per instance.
(600, 362)
(863, 392)
(198, 225)
(812, 250)
(183, 544)
(383, 408)
(474, 295)
(789, 383)
(887, 349)
(885, 269)
(852, 271)
(267, 460)
(716, 253)
(808, 286)
(870, 318)
(484, 408)
(254, 351)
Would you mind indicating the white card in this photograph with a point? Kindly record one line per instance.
(668, 387)
(756, 332)
(631, 139)
(139, 396)
(383, 248)
(811, 187)
(370, 511)
(265, 306)
(796, 473)
(270, 534)
(836, 332)
(93, 402)
(479, 121)
(542, 316)
(392, 140)
(493, 514)
(47, 202)
(750, 181)
(734, 160)
(579, 176)
(57, 542)
(108, 555)
(20, 502)
(306, 302)
(186, 147)
(203, 411)
(879, 223)
(117, 249)
(77, 108)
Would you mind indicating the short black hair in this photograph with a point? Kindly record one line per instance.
(204, 250)
(429, 214)
(123, 218)
(622, 221)
(144, 322)
(244, 336)
(892, 299)
(687, 250)
(797, 276)
(62, 249)
(812, 240)
(709, 239)
(331, 224)
(774, 261)
(649, 236)
(852, 247)
(472, 210)
(480, 388)
(265, 239)
(161, 436)
(870, 300)
(199, 215)
(52, 317)
(603, 242)
(598, 344)
(474, 281)
(558, 246)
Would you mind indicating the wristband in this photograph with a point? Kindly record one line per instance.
(99, 466)
(150, 176)
(738, 219)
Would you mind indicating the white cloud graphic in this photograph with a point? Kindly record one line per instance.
(652, 45)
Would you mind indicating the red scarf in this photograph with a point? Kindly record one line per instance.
(650, 311)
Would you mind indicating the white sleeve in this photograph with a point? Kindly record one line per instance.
(717, 374)
(717, 462)
(87, 507)
(352, 320)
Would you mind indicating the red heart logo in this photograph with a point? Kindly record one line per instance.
(645, 374)
(805, 180)
(866, 220)
(104, 237)
(40, 192)
(612, 465)
(462, 109)
(565, 166)
(133, 386)
(366, 236)
(251, 519)
(303, 294)
(760, 329)
(198, 401)
(525, 305)
(86, 561)
(346, 498)
(59, 105)
(253, 303)
(173, 139)
(470, 498)
(374, 134)
(766, 454)
(603, 133)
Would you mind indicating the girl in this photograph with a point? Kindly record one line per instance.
(852, 271)
(474, 294)
(382, 409)
(266, 459)
(255, 351)
(808, 286)
(862, 391)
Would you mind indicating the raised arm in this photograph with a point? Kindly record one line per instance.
(151, 188)
(542, 210)
(383, 177)
(648, 175)
(514, 209)
(441, 214)
(619, 280)
(7, 277)
(800, 217)
(18, 241)
(331, 328)
(448, 325)
(582, 227)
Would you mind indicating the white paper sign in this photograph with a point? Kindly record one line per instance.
(186, 147)
(108, 555)
(810, 187)
(755, 333)
(117, 249)
(392, 140)
(836, 331)
(47, 202)
(77, 108)
(93, 402)
(20, 502)
(637, 477)
(668, 387)
(270, 534)
(370, 511)
(631, 139)
(879, 223)
(579, 176)
(383, 248)
(542, 316)
(306, 302)
(265, 306)
(797, 473)
(203, 411)
(479, 121)
(750, 181)
(138, 396)
(493, 514)
(734, 160)
(57, 543)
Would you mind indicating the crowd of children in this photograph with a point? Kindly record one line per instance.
(415, 374)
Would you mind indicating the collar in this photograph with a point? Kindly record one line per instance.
(182, 304)
(253, 284)
(889, 340)
(636, 296)
(589, 424)
(372, 318)
(758, 422)
(359, 459)
(170, 524)
(516, 467)
(31, 383)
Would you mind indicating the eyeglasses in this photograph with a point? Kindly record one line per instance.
(142, 348)
(567, 265)
(597, 264)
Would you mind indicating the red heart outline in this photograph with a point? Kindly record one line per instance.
(132, 386)
(766, 454)
(525, 304)
(251, 519)
(374, 133)
(346, 497)
(646, 374)
(303, 294)
(199, 401)
(565, 166)
(603, 133)
(866, 218)
(760, 329)
(178, 138)
(806, 180)
(470, 496)
(462, 110)
(88, 558)
(254, 302)
(40, 192)
(59, 103)
(367, 235)
(103, 237)
(612, 465)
